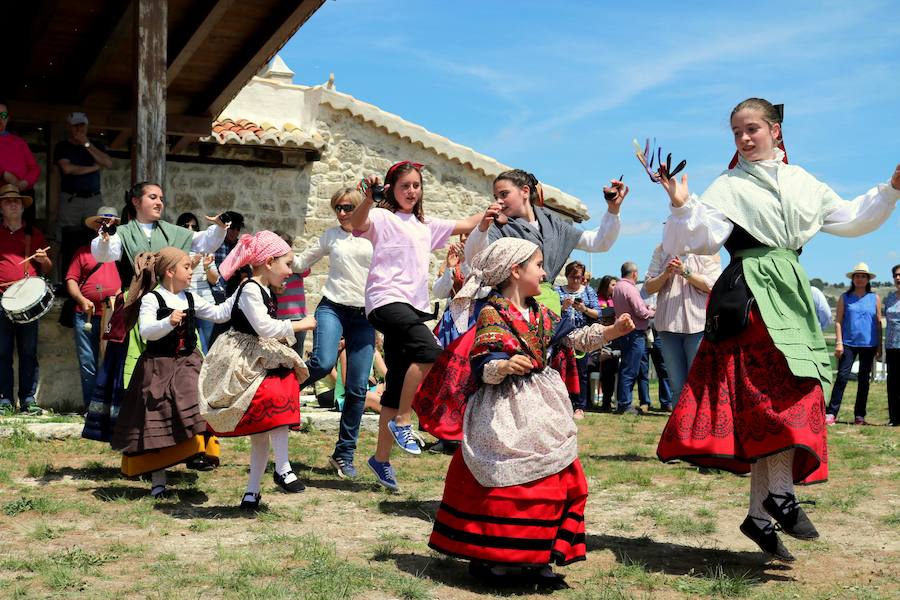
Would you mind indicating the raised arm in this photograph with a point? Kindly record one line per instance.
(106, 248)
(311, 255)
(865, 213)
(359, 220)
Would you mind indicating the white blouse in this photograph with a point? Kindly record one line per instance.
(254, 308)
(348, 265)
(152, 328)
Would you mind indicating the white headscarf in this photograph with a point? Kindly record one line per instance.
(490, 267)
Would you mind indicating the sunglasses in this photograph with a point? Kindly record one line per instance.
(4, 115)
(651, 153)
(346, 208)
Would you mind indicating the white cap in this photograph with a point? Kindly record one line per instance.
(77, 118)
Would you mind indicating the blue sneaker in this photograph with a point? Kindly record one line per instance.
(405, 437)
(344, 467)
(384, 473)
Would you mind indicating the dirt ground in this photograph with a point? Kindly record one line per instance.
(70, 525)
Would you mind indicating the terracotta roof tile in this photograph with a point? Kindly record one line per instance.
(242, 131)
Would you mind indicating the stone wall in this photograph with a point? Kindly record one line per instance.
(296, 201)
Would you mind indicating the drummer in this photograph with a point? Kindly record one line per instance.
(18, 242)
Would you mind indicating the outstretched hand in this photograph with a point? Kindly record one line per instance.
(623, 325)
(615, 195)
(678, 191)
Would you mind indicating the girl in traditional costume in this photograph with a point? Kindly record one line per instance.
(515, 491)
(397, 300)
(159, 424)
(754, 399)
(250, 380)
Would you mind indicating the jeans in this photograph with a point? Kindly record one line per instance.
(892, 362)
(678, 351)
(632, 346)
(204, 330)
(866, 358)
(334, 320)
(87, 347)
(22, 337)
(654, 352)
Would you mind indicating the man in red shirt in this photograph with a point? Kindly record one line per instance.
(91, 285)
(18, 241)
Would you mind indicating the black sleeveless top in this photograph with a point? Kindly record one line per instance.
(182, 340)
(239, 321)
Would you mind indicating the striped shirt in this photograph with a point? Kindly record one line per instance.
(292, 301)
(681, 307)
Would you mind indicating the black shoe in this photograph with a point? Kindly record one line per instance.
(199, 463)
(545, 578)
(605, 408)
(629, 411)
(766, 539)
(250, 502)
(292, 487)
(786, 511)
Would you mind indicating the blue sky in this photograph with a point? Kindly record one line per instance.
(560, 89)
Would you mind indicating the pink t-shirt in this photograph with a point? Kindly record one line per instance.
(402, 247)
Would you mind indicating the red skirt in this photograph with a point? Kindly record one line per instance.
(741, 403)
(275, 404)
(532, 524)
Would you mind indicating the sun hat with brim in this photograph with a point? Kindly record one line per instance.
(105, 213)
(12, 191)
(861, 268)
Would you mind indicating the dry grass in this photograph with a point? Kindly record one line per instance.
(72, 526)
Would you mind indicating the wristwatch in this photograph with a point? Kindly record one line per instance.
(686, 271)
(87, 144)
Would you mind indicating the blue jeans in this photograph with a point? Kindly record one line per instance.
(654, 352)
(204, 330)
(632, 346)
(334, 320)
(584, 394)
(22, 338)
(866, 358)
(87, 347)
(678, 351)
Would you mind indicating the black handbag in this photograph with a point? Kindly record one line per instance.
(730, 302)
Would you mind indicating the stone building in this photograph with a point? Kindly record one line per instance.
(276, 154)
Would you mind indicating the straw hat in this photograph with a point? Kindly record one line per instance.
(103, 213)
(861, 268)
(12, 191)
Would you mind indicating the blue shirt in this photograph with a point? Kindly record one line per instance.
(588, 295)
(892, 314)
(858, 327)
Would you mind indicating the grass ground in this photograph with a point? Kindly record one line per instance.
(70, 525)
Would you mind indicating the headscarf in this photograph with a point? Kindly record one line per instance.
(253, 250)
(490, 267)
(149, 269)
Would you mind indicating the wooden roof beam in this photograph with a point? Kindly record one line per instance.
(96, 49)
(259, 49)
(118, 120)
(200, 32)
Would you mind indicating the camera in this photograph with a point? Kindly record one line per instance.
(378, 193)
(108, 228)
(578, 301)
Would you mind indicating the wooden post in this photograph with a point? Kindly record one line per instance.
(148, 158)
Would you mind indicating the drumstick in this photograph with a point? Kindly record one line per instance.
(22, 262)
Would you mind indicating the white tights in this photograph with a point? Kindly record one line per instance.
(771, 474)
(259, 456)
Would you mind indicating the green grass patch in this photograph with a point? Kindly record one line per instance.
(716, 583)
(42, 505)
(39, 470)
(681, 524)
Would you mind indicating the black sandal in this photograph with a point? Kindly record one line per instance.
(253, 503)
(292, 487)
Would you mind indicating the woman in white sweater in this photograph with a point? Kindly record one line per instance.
(341, 314)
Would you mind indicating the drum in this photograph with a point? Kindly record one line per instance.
(27, 300)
